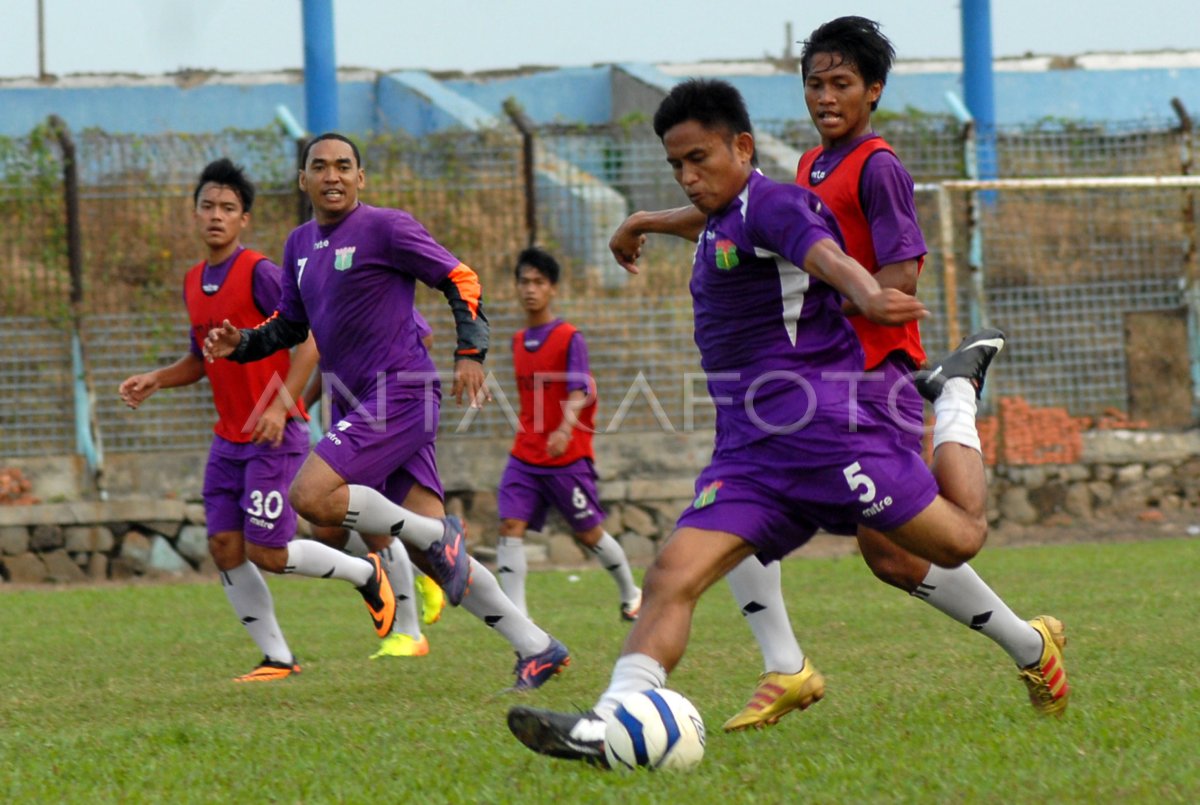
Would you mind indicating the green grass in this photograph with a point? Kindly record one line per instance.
(123, 694)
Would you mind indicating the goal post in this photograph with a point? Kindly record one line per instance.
(1063, 262)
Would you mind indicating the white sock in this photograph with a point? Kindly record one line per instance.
(633, 673)
(511, 569)
(961, 594)
(758, 590)
(306, 557)
(486, 601)
(400, 573)
(955, 410)
(355, 545)
(612, 558)
(247, 591)
(372, 513)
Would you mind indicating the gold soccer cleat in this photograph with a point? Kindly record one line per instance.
(1047, 678)
(777, 695)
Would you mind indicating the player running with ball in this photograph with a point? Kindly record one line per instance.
(845, 64)
(792, 453)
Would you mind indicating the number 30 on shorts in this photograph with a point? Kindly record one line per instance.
(269, 506)
(857, 479)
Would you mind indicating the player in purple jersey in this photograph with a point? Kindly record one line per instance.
(259, 441)
(792, 454)
(350, 275)
(552, 457)
(409, 584)
(845, 63)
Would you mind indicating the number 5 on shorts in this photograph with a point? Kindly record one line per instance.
(857, 479)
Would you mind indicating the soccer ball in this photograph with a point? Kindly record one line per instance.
(656, 729)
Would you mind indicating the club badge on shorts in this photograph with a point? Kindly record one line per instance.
(707, 495)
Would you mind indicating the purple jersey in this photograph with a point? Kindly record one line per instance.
(423, 328)
(353, 284)
(577, 367)
(766, 330)
(266, 281)
(886, 192)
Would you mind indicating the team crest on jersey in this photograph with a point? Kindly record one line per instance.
(727, 255)
(343, 258)
(707, 496)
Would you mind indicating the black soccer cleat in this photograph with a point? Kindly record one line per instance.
(970, 360)
(571, 736)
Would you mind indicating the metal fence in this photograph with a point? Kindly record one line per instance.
(1055, 267)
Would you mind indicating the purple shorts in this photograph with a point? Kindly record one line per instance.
(527, 492)
(890, 393)
(246, 490)
(389, 447)
(775, 493)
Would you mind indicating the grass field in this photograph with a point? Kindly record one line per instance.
(123, 694)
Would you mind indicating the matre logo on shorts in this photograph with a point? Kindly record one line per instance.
(342, 426)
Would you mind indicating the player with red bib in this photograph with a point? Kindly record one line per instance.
(261, 435)
(552, 461)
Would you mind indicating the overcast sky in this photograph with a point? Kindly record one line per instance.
(157, 36)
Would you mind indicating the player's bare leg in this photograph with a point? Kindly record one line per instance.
(954, 386)
(691, 562)
(952, 529)
(958, 592)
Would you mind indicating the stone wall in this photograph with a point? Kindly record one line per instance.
(153, 523)
(96, 541)
(1122, 475)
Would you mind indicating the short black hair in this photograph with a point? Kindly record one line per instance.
(710, 102)
(329, 135)
(539, 259)
(223, 172)
(859, 42)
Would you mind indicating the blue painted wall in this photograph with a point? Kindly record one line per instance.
(1092, 95)
(419, 104)
(572, 95)
(153, 109)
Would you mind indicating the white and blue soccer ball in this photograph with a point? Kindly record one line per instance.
(655, 729)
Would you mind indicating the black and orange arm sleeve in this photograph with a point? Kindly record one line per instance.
(465, 296)
(272, 335)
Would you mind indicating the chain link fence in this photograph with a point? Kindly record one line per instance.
(1057, 268)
